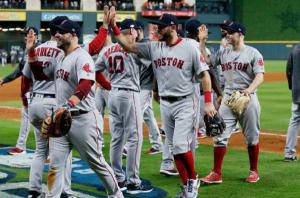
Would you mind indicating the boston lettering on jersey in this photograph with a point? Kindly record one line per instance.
(115, 48)
(62, 74)
(47, 51)
(234, 65)
(169, 61)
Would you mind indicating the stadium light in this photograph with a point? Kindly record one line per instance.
(4, 29)
(11, 29)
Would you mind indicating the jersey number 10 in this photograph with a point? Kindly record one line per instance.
(116, 64)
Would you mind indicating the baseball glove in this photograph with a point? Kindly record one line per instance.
(214, 125)
(58, 124)
(238, 102)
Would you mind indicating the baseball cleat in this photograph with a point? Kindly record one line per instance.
(124, 153)
(212, 178)
(35, 194)
(181, 194)
(122, 185)
(153, 151)
(201, 135)
(167, 168)
(192, 187)
(135, 189)
(291, 159)
(172, 172)
(16, 151)
(162, 132)
(65, 195)
(253, 177)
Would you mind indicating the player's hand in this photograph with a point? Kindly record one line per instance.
(1, 82)
(112, 16)
(30, 40)
(209, 109)
(203, 33)
(106, 20)
(247, 91)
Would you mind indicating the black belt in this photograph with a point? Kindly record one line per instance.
(126, 89)
(78, 112)
(173, 98)
(39, 95)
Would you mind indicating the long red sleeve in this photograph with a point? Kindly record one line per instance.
(37, 70)
(26, 84)
(100, 78)
(83, 89)
(98, 42)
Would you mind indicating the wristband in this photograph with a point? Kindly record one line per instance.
(31, 53)
(207, 96)
(69, 104)
(116, 30)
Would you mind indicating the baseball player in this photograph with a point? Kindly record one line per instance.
(42, 104)
(101, 95)
(25, 123)
(192, 28)
(167, 166)
(292, 71)
(125, 115)
(243, 69)
(74, 79)
(175, 61)
(146, 83)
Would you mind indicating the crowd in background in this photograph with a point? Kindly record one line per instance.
(15, 4)
(119, 4)
(212, 7)
(162, 5)
(15, 55)
(61, 4)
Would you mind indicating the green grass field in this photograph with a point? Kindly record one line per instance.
(278, 178)
(275, 100)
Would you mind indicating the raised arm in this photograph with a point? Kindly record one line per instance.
(95, 46)
(202, 36)
(122, 40)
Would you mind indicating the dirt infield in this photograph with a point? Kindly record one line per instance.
(268, 141)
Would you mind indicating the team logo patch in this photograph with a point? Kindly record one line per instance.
(13, 167)
(87, 68)
(260, 62)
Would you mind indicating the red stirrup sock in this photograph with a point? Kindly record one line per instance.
(219, 153)
(253, 152)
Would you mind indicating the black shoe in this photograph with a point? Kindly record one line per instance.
(33, 194)
(135, 189)
(162, 132)
(65, 195)
(122, 185)
(291, 159)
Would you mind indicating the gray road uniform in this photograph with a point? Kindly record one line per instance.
(146, 96)
(85, 133)
(174, 68)
(293, 73)
(239, 70)
(125, 115)
(25, 123)
(101, 94)
(42, 104)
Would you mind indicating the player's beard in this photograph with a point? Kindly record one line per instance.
(63, 44)
(165, 37)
